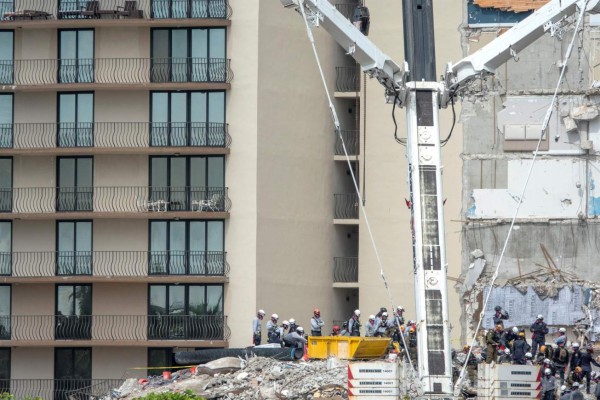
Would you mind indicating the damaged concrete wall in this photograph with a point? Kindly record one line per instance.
(558, 231)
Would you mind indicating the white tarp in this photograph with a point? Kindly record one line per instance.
(564, 309)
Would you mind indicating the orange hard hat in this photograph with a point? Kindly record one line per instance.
(402, 328)
(578, 369)
(412, 329)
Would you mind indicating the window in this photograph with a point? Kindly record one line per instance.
(187, 183)
(185, 312)
(5, 248)
(75, 120)
(188, 119)
(5, 312)
(187, 248)
(74, 248)
(72, 371)
(73, 312)
(188, 55)
(159, 357)
(74, 192)
(5, 370)
(189, 9)
(6, 184)
(76, 54)
(6, 56)
(6, 119)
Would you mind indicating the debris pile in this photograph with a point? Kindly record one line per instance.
(245, 379)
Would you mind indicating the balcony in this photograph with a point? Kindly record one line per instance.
(59, 389)
(62, 138)
(114, 266)
(114, 202)
(345, 272)
(116, 74)
(351, 141)
(114, 330)
(99, 13)
(345, 209)
(347, 81)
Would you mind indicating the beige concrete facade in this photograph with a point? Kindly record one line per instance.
(281, 174)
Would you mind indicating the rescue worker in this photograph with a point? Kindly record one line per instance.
(548, 385)
(539, 330)
(370, 326)
(492, 339)
(293, 325)
(344, 331)
(560, 358)
(335, 330)
(381, 325)
(257, 327)
(508, 336)
(505, 357)
(544, 353)
(412, 345)
(547, 363)
(520, 348)
(500, 316)
(381, 311)
(471, 365)
(296, 338)
(281, 331)
(575, 356)
(562, 336)
(575, 393)
(587, 359)
(565, 393)
(399, 316)
(316, 323)
(597, 389)
(354, 324)
(576, 376)
(272, 329)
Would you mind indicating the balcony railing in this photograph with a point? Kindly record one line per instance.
(115, 71)
(43, 264)
(59, 389)
(347, 79)
(113, 327)
(351, 140)
(113, 135)
(114, 199)
(30, 10)
(345, 206)
(345, 269)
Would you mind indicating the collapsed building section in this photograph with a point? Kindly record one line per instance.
(550, 265)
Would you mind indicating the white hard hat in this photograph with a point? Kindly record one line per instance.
(563, 330)
(575, 344)
(384, 314)
(371, 316)
(515, 329)
(357, 312)
(506, 351)
(540, 316)
(275, 316)
(563, 388)
(300, 329)
(547, 371)
(546, 361)
(292, 321)
(575, 384)
(528, 355)
(261, 312)
(285, 323)
(400, 308)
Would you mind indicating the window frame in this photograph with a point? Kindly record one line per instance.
(12, 78)
(57, 245)
(187, 296)
(59, 48)
(12, 120)
(10, 250)
(76, 112)
(10, 189)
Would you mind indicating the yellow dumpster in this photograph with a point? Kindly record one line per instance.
(347, 347)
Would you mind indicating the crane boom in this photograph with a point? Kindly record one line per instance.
(422, 101)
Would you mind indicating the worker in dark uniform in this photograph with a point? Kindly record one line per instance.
(354, 324)
(412, 345)
(560, 358)
(500, 316)
(520, 348)
(587, 359)
(539, 330)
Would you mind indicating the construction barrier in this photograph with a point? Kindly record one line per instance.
(374, 380)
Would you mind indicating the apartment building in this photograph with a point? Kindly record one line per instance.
(167, 167)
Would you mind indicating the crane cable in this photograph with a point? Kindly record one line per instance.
(544, 130)
(336, 123)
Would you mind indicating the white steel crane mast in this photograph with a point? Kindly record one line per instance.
(422, 101)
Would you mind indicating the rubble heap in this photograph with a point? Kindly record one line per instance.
(253, 378)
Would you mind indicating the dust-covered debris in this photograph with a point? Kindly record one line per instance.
(254, 378)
